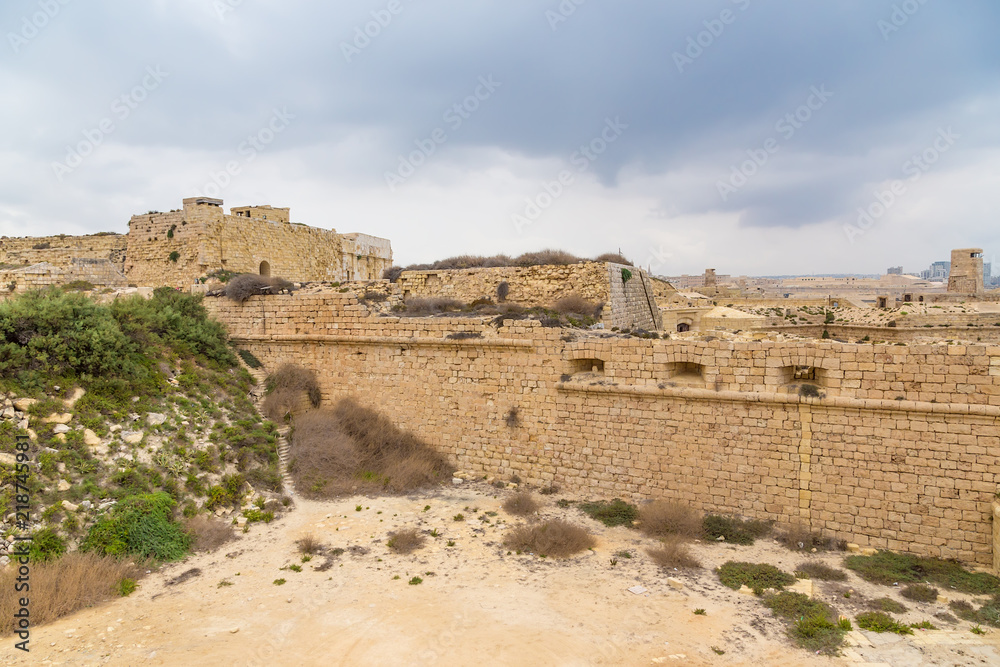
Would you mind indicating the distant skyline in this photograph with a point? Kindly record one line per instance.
(755, 138)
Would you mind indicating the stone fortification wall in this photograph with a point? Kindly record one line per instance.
(61, 250)
(900, 450)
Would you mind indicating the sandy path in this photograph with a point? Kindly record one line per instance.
(479, 605)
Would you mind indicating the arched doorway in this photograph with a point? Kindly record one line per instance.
(683, 326)
(265, 268)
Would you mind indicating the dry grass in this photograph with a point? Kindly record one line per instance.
(309, 544)
(405, 541)
(674, 553)
(555, 538)
(423, 307)
(63, 586)
(285, 388)
(352, 449)
(799, 538)
(208, 533)
(661, 518)
(614, 258)
(574, 304)
(521, 504)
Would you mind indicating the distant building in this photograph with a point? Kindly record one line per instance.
(894, 271)
(966, 275)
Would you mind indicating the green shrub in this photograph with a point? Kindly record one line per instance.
(796, 605)
(734, 529)
(46, 545)
(818, 634)
(920, 593)
(887, 567)
(877, 621)
(614, 513)
(756, 576)
(140, 526)
(888, 605)
(812, 570)
(126, 587)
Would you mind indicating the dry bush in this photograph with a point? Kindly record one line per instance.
(208, 533)
(309, 544)
(521, 504)
(574, 304)
(614, 258)
(352, 449)
(667, 517)
(547, 257)
(673, 553)
(242, 287)
(285, 387)
(556, 538)
(63, 586)
(421, 307)
(799, 538)
(392, 273)
(405, 541)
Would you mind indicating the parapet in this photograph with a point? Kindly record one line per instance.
(268, 213)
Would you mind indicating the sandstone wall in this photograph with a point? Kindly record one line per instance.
(61, 249)
(716, 424)
(856, 332)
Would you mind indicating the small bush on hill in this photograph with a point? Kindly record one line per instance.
(208, 533)
(141, 526)
(246, 285)
(614, 513)
(812, 570)
(888, 605)
(46, 545)
(673, 553)
(920, 593)
(405, 541)
(423, 307)
(667, 517)
(574, 304)
(614, 258)
(734, 529)
(62, 586)
(521, 504)
(555, 538)
(756, 576)
(877, 621)
(800, 538)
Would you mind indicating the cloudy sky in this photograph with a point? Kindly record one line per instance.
(752, 136)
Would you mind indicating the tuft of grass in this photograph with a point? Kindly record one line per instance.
(140, 526)
(614, 513)
(556, 538)
(791, 606)
(887, 567)
(888, 605)
(920, 593)
(878, 621)
(799, 538)
(521, 504)
(813, 570)
(63, 586)
(458, 517)
(923, 625)
(756, 576)
(988, 613)
(208, 533)
(818, 634)
(415, 581)
(734, 529)
(309, 544)
(700, 612)
(405, 541)
(673, 553)
(126, 586)
(667, 517)
(278, 582)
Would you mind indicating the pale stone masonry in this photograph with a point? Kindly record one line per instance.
(899, 450)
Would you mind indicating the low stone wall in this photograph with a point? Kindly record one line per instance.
(900, 451)
(858, 332)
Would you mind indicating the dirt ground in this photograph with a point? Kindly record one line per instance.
(476, 604)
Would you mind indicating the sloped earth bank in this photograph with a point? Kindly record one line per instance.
(475, 605)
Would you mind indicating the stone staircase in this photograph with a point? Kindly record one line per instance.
(284, 453)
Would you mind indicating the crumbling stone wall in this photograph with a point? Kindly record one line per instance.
(61, 250)
(900, 450)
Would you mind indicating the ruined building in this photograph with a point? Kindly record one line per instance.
(186, 245)
(966, 271)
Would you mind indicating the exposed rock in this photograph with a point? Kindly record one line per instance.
(63, 485)
(32, 435)
(132, 437)
(8, 459)
(57, 418)
(74, 396)
(115, 428)
(23, 404)
(675, 584)
(155, 418)
(86, 504)
(804, 586)
(8, 413)
(90, 438)
(61, 428)
(69, 507)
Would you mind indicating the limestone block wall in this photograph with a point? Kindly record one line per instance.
(632, 301)
(152, 238)
(61, 249)
(712, 423)
(857, 332)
